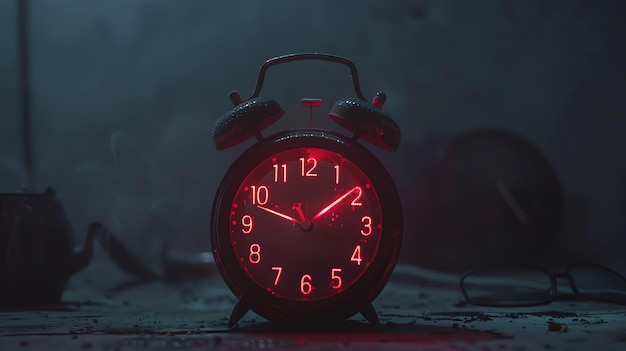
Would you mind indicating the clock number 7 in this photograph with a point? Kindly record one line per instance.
(279, 271)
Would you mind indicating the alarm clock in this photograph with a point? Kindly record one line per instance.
(307, 223)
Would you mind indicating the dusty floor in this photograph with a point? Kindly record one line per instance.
(419, 310)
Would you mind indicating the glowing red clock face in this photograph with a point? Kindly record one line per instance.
(305, 223)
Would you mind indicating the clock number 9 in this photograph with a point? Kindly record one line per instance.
(247, 222)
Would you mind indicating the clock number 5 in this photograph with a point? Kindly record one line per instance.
(335, 279)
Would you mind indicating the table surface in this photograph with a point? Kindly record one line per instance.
(418, 309)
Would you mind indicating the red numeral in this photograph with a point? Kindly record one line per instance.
(260, 195)
(279, 271)
(336, 174)
(357, 199)
(356, 255)
(308, 172)
(246, 221)
(367, 225)
(305, 284)
(277, 170)
(255, 253)
(336, 281)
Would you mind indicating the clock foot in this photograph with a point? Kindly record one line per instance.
(370, 314)
(240, 309)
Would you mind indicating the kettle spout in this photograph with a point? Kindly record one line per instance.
(82, 256)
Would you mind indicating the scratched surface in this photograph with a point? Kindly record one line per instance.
(419, 310)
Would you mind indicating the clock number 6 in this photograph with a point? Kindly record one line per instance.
(305, 284)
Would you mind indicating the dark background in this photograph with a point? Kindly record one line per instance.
(125, 94)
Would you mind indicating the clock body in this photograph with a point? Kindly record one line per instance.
(306, 226)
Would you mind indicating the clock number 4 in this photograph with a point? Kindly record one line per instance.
(356, 255)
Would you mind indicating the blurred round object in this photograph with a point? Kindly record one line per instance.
(495, 198)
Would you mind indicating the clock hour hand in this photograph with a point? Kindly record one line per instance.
(279, 214)
(335, 203)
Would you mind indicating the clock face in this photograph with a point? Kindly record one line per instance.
(305, 223)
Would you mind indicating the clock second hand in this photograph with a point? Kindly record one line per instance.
(279, 214)
(334, 203)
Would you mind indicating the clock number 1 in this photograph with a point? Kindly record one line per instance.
(336, 174)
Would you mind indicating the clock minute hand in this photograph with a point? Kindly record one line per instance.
(333, 204)
(279, 214)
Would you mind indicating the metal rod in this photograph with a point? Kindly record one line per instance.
(24, 87)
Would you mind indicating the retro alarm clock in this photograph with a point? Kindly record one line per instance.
(307, 223)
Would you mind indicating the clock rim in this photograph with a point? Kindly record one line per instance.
(346, 302)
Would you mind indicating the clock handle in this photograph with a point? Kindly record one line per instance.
(307, 56)
(240, 310)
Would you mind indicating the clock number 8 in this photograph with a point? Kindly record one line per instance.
(255, 253)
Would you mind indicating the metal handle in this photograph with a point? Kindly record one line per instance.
(310, 56)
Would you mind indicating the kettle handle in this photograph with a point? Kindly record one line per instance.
(82, 256)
